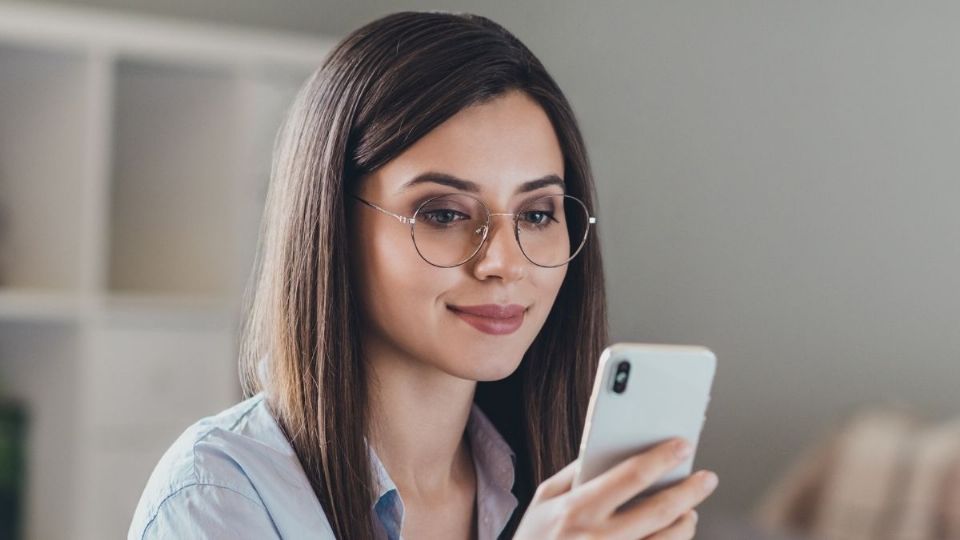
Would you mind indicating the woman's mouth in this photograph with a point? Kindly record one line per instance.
(492, 318)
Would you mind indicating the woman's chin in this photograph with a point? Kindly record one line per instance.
(495, 375)
(486, 370)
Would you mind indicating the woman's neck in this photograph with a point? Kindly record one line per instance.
(418, 416)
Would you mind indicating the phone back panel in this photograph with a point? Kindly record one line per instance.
(666, 396)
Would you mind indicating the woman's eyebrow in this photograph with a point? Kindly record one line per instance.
(445, 179)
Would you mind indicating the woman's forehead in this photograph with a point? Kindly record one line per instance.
(497, 146)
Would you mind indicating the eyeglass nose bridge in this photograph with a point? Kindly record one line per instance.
(485, 228)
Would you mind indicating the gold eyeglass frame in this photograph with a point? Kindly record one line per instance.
(412, 220)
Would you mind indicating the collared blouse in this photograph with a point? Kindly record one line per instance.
(235, 475)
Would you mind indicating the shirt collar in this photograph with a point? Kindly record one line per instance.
(494, 462)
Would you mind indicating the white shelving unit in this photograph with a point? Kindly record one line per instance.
(134, 159)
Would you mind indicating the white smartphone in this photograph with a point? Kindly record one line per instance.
(644, 394)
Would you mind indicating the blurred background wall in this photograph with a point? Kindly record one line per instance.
(777, 180)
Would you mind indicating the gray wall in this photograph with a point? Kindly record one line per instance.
(778, 181)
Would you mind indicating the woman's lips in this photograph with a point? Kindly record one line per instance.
(492, 318)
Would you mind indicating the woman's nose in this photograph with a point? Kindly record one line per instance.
(500, 255)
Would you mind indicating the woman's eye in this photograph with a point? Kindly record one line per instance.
(443, 216)
(537, 217)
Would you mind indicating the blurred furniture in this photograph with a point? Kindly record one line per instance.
(134, 158)
(12, 435)
(725, 526)
(882, 473)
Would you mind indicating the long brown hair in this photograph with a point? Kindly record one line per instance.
(381, 89)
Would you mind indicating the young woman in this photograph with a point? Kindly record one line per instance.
(427, 318)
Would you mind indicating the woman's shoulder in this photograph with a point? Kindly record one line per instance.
(230, 474)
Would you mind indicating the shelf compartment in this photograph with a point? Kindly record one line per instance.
(41, 305)
(44, 136)
(39, 368)
(152, 371)
(174, 170)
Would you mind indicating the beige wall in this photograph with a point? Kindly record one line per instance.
(778, 181)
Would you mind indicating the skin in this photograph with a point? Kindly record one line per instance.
(422, 386)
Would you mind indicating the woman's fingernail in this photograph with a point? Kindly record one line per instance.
(710, 480)
(695, 516)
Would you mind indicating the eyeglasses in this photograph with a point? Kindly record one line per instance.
(448, 230)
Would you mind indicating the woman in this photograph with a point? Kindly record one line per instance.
(427, 318)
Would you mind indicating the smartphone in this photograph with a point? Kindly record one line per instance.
(643, 395)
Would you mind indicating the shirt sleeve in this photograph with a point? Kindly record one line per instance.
(208, 512)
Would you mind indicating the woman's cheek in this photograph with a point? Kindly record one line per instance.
(550, 283)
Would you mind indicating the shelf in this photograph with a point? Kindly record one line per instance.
(47, 306)
(40, 305)
(135, 156)
(137, 306)
(43, 132)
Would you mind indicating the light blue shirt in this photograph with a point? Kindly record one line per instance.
(235, 475)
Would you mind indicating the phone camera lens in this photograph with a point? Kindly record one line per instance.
(620, 377)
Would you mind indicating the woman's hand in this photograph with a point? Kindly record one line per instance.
(589, 510)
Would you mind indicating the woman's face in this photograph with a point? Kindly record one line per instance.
(413, 311)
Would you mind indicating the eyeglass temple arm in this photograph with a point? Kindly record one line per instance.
(402, 219)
